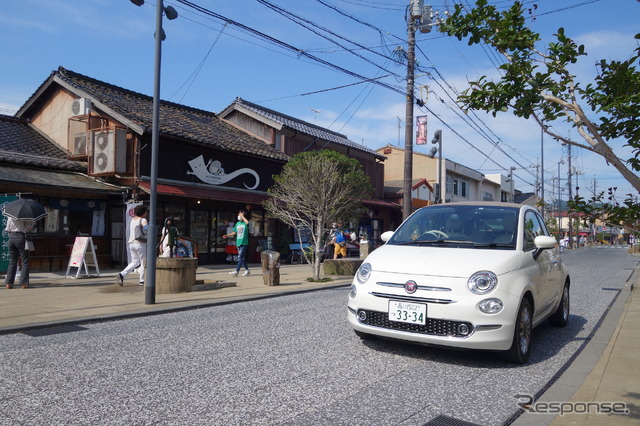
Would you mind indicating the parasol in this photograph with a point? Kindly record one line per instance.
(24, 209)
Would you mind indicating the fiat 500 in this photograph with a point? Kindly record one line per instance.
(465, 275)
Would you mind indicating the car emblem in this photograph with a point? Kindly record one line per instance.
(410, 287)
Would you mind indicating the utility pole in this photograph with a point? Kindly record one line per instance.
(570, 198)
(542, 166)
(408, 130)
(418, 17)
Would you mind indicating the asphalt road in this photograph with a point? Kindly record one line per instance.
(287, 360)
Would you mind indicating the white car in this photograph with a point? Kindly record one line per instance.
(475, 275)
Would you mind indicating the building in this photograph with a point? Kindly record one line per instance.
(207, 168)
(459, 183)
(290, 136)
(32, 166)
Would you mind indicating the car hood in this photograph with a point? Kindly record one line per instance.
(442, 261)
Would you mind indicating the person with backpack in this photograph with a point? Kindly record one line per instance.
(137, 245)
(340, 242)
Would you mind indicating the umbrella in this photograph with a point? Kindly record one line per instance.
(24, 209)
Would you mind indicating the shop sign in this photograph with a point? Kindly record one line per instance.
(213, 173)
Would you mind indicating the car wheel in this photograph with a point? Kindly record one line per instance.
(521, 345)
(560, 317)
(364, 336)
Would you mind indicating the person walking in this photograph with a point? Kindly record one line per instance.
(241, 232)
(137, 245)
(17, 230)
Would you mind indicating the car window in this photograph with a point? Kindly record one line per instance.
(532, 228)
(478, 226)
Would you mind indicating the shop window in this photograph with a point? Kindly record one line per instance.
(177, 212)
(256, 227)
(199, 229)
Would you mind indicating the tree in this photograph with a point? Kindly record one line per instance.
(314, 189)
(537, 83)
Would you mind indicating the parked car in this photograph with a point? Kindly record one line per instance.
(475, 275)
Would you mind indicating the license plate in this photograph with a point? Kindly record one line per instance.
(412, 313)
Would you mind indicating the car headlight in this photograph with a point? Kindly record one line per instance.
(364, 272)
(353, 292)
(482, 282)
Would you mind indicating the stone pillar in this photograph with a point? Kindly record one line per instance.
(270, 267)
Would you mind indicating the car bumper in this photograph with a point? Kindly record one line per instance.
(457, 323)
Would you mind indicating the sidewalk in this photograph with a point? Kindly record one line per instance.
(53, 299)
(606, 371)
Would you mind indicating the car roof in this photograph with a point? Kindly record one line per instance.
(483, 203)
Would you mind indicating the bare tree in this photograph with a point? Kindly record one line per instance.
(314, 189)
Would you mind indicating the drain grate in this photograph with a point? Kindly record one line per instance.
(448, 421)
(40, 332)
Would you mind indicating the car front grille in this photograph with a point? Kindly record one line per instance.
(434, 327)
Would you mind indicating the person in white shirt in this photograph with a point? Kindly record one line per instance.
(137, 245)
(17, 230)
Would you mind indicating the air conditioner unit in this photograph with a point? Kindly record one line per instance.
(109, 152)
(80, 106)
(80, 144)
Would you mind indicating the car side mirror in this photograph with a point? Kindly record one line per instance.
(386, 235)
(543, 242)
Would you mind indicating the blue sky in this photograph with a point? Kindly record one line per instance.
(207, 63)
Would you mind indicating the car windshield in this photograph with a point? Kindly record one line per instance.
(471, 226)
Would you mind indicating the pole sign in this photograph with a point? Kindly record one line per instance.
(421, 130)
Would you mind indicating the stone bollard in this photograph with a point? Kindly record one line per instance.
(175, 274)
(365, 249)
(270, 267)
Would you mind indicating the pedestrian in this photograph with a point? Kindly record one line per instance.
(241, 232)
(17, 230)
(168, 239)
(137, 245)
(340, 239)
(231, 248)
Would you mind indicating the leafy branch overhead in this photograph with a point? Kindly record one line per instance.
(535, 81)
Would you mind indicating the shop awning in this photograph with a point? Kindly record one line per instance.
(70, 182)
(204, 193)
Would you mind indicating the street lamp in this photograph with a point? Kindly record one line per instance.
(559, 199)
(511, 193)
(437, 138)
(150, 281)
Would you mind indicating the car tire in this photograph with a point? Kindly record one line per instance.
(560, 317)
(521, 344)
(364, 336)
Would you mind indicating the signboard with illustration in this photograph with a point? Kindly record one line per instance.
(213, 167)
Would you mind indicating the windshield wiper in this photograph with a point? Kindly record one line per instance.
(439, 241)
(497, 245)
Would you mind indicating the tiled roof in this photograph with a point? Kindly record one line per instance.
(396, 187)
(22, 144)
(304, 127)
(176, 120)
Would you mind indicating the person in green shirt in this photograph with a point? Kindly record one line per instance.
(241, 232)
